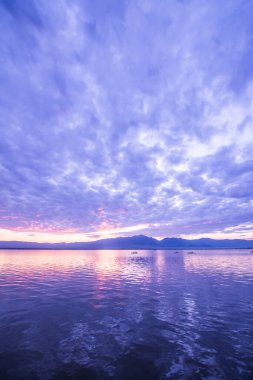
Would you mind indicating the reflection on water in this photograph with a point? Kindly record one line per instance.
(112, 315)
(237, 263)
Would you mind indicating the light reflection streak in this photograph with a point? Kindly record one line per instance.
(104, 263)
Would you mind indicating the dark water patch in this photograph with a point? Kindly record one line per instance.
(19, 365)
(75, 372)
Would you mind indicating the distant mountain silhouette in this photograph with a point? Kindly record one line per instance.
(134, 242)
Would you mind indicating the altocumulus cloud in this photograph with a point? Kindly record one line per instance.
(126, 116)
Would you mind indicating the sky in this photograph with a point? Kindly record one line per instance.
(126, 117)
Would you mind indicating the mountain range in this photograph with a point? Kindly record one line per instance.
(135, 242)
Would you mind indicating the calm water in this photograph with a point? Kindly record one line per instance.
(115, 315)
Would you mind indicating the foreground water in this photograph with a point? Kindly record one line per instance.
(114, 315)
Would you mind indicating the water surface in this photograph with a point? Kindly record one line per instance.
(115, 315)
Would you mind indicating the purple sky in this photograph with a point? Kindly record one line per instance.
(121, 117)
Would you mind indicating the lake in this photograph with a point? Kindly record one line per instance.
(117, 315)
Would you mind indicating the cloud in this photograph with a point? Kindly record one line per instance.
(138, 109)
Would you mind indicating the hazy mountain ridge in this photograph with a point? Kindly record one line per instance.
(134, 242)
